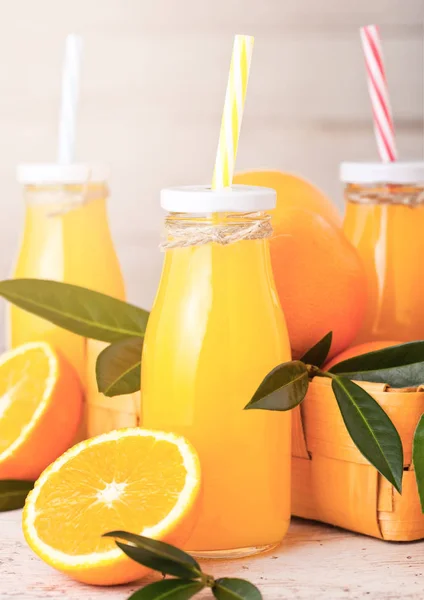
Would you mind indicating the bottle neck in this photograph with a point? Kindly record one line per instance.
(211, 269)
(410, 194)
(184, 230)
(62, 198)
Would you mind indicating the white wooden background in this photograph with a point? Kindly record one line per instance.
(153, 86)
(314, 562)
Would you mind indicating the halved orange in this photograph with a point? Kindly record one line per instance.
(40, 409)
(136, 480)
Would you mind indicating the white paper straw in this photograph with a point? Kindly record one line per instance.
(70, 93)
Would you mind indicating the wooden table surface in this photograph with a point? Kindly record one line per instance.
(315, 562)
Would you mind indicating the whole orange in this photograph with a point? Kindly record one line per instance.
(358, 350)
(292, 191)
(319, 277)
(318, 273)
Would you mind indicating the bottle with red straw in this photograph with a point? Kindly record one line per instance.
(384, 218)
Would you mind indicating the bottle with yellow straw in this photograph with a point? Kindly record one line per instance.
(215, 331)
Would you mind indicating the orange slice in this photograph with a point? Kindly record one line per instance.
(145, 482)
(40, 409)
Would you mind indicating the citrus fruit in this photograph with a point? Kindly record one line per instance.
(292, 191)
(40, 409)
(136, 480)
(320, 280)
(358, 350)
(318, 274)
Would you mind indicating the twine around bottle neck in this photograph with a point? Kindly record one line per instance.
(183, 233)
(59, 200)
(385, 194)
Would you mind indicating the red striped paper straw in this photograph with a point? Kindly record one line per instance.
(379, 94)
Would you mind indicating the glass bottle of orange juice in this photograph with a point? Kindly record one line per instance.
(385, 221)
(215, 331)
(66, 238)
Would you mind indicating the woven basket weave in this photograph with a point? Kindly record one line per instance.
(332, 482)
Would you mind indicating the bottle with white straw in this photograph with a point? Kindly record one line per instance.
(215, 331)
(384, 217)
(66, 238)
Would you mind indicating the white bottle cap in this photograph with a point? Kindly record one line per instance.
(35, 173)
(393, 172)
(202, 199)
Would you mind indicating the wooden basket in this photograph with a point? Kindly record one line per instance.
(332, 482)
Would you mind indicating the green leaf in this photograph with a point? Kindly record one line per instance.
(398, 366)
(317, 355)
(169, 589)
(118, 367)
(370, 428)
(229, 588)
(77, 309)
(158, 555)
(13, 493)
(282, 389)
(418, 459)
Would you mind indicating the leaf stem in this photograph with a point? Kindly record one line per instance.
(207, 580)
(314, 371)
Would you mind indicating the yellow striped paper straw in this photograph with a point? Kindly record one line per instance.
(233, 112)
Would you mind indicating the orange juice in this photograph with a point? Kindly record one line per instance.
(215, 331)
(385, 221)
(66, 238)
